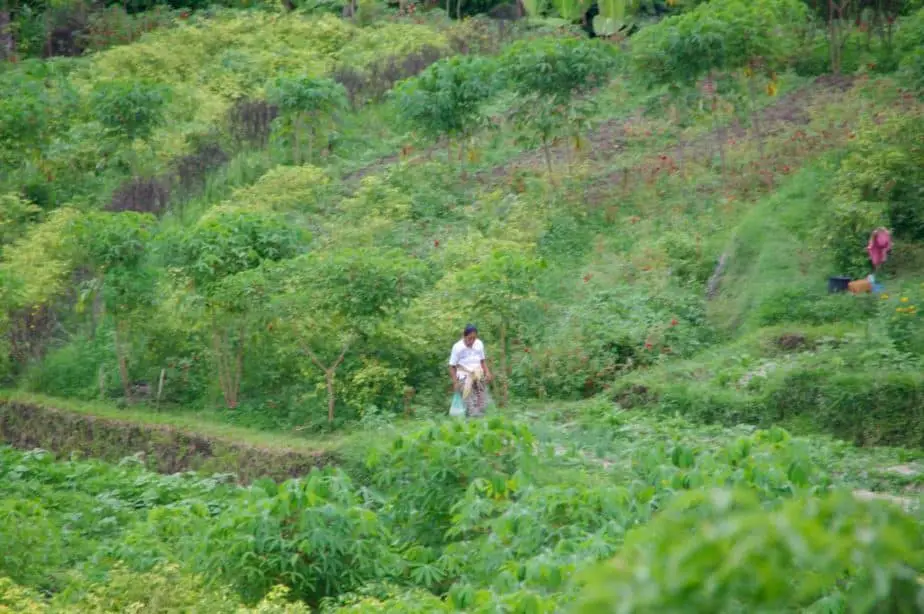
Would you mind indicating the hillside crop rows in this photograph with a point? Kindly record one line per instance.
(488, 513)
(243, 238)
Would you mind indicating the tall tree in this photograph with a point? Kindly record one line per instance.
(334, 301)
(219, 259)
(115, 247)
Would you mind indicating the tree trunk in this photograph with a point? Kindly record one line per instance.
(329, 373)
(122, 359)
(7, 44)
(229, 367)
(718, 127)
(329, 378)
(547, 152)
(755, 114)
(310, 145)
(504, 366)
(832, 38)
(462, 157)
(296, 140)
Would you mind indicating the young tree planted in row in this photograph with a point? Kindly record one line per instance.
(308, 106)
(213, 257)
(718, 39)
(129, 110)
(115, 246)
(333, 301)
(550, 78)
(445, 100)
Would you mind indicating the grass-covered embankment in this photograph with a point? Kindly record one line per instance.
(168, 443)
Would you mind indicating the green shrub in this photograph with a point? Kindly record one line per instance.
(881, 177)
(909, 44)
(313, 535)
(433, 468)
(805, 555)
(74, 369)
(845, 233)
(814, 306)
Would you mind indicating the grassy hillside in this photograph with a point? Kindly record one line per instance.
(245, 240)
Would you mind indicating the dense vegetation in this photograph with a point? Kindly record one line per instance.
(280, 215)
(491, 514)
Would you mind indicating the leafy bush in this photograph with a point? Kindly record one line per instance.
(307, 105)
(366, 48)
(884, 166)
(129, 109)
(903, 323)
(806, 554)
(846, 231)
(446, 98)
(814, 306)
(313, 535)
(910, 45)
(557, 68)
(74, 369)
(434, 467)
(718, 36)
(610, 333)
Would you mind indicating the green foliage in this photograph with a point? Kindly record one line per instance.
(435, 466)
(718, 36)
(558, 68)
(37, 103)
(806, 554)
(306, 103)
(546, 74)
(590, 288)
(313, 535)
(884, 170)
(446, 98)
(37, 265)
(304, 94)
(226, 242)
(908, 44)
(461, 509)
(129, 109)
(366, 48)
(114, 246)
(15, 215)
(73, 370)
(815, 306)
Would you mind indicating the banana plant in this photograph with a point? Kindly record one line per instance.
(612, 16)
(609, 21)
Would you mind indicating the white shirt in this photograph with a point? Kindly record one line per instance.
(467, 357)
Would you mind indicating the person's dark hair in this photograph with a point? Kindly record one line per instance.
(469, 329)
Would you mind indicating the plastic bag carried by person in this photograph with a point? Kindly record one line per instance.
(457, 409)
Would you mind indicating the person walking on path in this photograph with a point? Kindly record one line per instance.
(468, 368)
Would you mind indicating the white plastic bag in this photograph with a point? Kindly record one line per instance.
(457, 409)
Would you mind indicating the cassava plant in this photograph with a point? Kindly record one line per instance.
(332, 302)
(445, 100)
(308, 106)
(218, 261)
(115, 246)
(549, 76)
